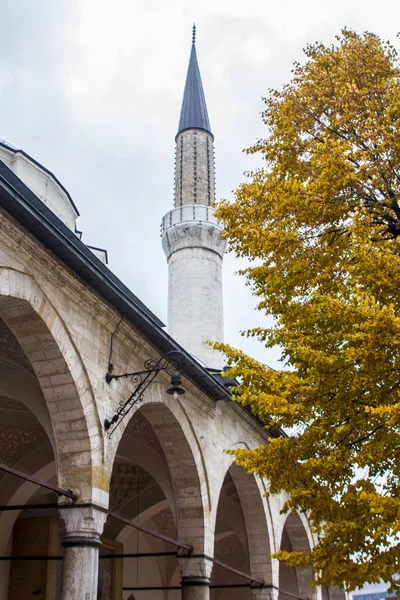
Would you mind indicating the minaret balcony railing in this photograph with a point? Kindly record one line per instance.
(189, 212)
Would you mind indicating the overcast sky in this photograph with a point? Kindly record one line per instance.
(93, 89)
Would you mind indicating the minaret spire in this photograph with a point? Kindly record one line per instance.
(191, 235)
(194, 113)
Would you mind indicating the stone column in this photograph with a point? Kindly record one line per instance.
(196, 573)
(80, 570)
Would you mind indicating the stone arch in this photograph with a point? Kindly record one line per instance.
(250, 491)
(62, 377)
(296, 536)
(188, 497)
(185, 468)
(156, 482)
(299, 531)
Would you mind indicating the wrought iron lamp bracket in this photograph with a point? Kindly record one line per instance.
(111, 376)
(169, 363)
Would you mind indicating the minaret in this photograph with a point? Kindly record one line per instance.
(191, 235)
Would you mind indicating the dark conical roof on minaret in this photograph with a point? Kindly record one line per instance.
(194, 109)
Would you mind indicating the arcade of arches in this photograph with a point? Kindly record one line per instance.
(163, 469)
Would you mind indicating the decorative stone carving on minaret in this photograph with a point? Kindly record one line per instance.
(191, 235)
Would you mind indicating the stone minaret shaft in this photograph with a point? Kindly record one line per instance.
(191, 235)
(194, 168)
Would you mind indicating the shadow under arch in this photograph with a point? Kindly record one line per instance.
(25, 445)
(62, 378)
(295, 580)
(18, 382)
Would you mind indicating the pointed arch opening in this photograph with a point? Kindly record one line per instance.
(27, 444)
(154, 483)
(242, 538)
(68, 417)
(295, 580)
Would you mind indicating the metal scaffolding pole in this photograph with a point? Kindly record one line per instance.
(159, 536)
(6, 507)
(101, 556)
(221, 564)
(44, 484)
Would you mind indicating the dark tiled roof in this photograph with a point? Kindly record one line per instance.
(194, 109)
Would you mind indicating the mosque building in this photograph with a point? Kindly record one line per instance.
(114, 480)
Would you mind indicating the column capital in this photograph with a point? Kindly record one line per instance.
(195, 568)
(83, 525)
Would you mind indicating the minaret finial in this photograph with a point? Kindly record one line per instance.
(194, 34)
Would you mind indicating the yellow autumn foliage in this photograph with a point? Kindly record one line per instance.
(320, 225)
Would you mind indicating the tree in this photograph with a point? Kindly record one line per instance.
(320, 225)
